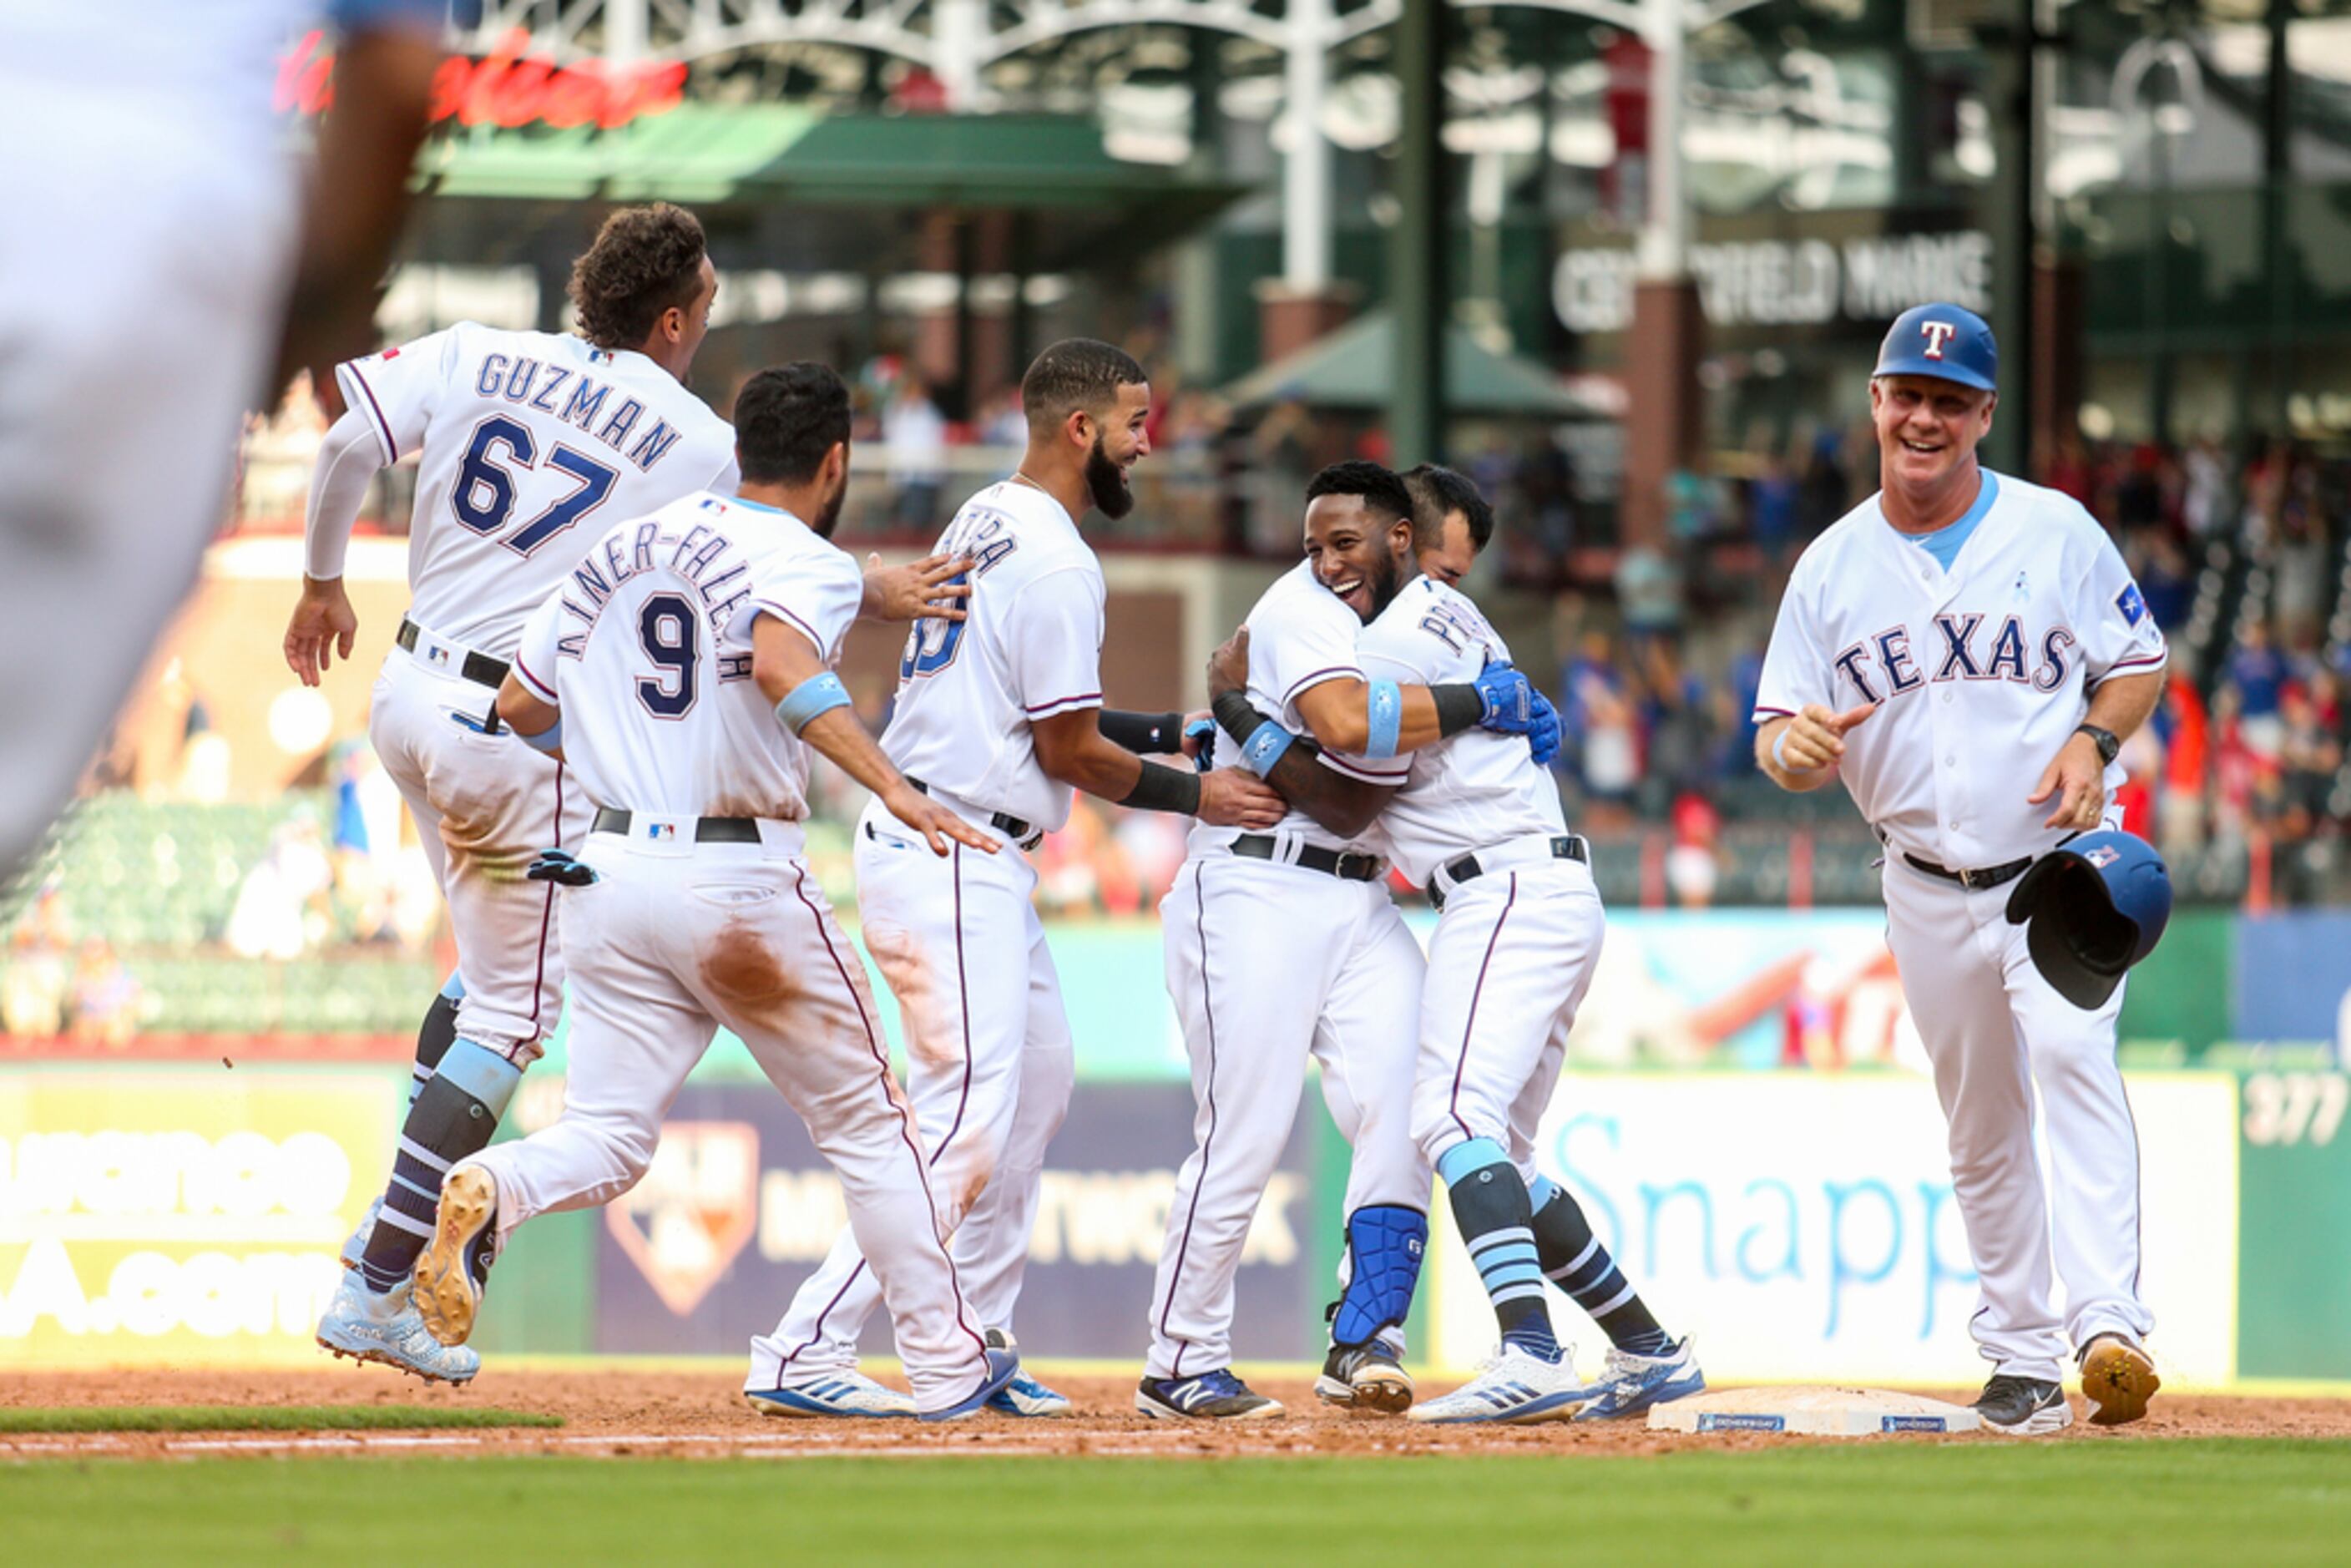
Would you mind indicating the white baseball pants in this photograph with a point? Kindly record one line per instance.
(1514, 953)
(1993, 1029)
(484, 804)
(1270, 965)
(675, 938)
(141, 279)
(989, 1069)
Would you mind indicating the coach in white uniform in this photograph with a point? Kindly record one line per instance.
(998, 717)
(1284, 946)
(1969, 652)
(682, 671)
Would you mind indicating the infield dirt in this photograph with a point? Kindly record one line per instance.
(626, 1411)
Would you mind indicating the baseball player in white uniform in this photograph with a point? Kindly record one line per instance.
(1967, 651)
(999, 718)
(156, 254)
(682, 671)
(520, 437)
(1284, 946)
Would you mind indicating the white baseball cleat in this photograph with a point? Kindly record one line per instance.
(355, 1246)
(849, 1393)
(1514, 1386)
(387, 1330)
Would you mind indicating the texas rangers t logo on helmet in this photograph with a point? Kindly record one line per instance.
(1937, 334)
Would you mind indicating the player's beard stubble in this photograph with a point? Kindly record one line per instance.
(829, 518)
(1106, 483)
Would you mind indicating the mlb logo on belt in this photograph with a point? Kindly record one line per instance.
(439, 655)
(661, 832)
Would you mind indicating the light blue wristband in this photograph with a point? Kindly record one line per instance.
(1264, 747)
(817, 694)
(1385, 713)
(1779, 752)
(548, 740)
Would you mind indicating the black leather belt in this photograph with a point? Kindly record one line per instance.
(1565, 847)
(1974, 880)
(706, 829)
(477, 668)
(1004, 822)
(1313, 857)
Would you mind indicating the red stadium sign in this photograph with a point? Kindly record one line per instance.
(505, 87)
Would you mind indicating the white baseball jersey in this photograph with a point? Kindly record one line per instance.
(1028, 647)
(647, 648)
(1979, 672)
(1300, 636)
(1477, 788)
(525, 435)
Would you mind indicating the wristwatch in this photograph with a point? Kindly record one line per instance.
(2109, 744)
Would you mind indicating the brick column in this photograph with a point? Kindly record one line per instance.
(1664, 418)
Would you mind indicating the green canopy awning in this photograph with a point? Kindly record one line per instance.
(1353, 367)
(846, 187)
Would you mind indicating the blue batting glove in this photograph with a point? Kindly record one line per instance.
(560, 866)
(1543, 733)
(1203, 731)
(1510, 700)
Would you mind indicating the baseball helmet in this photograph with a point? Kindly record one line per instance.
(2091, 909)
(1944, 340)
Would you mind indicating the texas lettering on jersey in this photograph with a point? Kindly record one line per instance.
(1883, 666)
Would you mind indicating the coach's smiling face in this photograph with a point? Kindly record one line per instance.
(1927, 432)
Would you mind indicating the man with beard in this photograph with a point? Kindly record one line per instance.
(999, 717)
(1283, 945)
(682, 683)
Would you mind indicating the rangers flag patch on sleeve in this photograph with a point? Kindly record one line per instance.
(2133, 607)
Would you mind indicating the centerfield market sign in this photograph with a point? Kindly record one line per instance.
(1783, 282)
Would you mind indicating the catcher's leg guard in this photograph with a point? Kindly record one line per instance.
(1385, 1246)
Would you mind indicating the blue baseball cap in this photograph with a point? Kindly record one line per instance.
(1945, 341)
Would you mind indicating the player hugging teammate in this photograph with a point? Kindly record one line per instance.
(631, 726)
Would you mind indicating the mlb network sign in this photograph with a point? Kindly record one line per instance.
(1803, 1226)
(180, 1216)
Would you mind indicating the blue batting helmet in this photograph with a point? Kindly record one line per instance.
(2091, 909)
(1944, 340)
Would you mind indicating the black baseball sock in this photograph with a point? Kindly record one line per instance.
(1573, 1260)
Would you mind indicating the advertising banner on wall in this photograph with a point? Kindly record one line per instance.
(1804, 1226)
(738, 1208)
(180, 1215)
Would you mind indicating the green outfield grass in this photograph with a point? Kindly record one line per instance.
(262, 1418)
(2265, 1502)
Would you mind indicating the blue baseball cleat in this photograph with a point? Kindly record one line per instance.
(1003, 1366)
(1024, 1395)
(1216, 1395)
(355, 1248)
(1635, 1382)
(836, 1395)
(387, 1330)
(454, 1268)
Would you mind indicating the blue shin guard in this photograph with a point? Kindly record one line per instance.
(1385, 1244)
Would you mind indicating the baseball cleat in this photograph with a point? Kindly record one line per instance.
(1024, 1395)
(2118, 1379)
(1216, 1395)
(1364, 1378)
(387, 1330)
(1633, 1382)
(355, 1246)
(2023, 1407)
(849, 1393)
(1003, 1366)
(454, 1268)
(1514, 1386)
